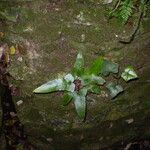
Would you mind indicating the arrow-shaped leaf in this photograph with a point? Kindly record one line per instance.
(51, 86)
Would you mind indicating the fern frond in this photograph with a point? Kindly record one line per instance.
(123, 11)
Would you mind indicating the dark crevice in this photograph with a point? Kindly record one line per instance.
(11, 128)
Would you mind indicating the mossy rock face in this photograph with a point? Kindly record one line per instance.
(49, 36)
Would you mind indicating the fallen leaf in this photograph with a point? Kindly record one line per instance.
(12, 50)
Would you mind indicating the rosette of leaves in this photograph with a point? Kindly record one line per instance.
(81, 81)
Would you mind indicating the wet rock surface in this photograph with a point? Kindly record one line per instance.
(48, 40)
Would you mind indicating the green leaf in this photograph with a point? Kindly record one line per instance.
(51, 86)
(83, 91)
(80, 102)
(67, 98)
(93, 79)
(123, 11)
(69, 78)
(95, 89)
(109, 67)
(80, 106)
(114, 89)
(96, 66)
(70, 87)
(78, 69)
(129, 74)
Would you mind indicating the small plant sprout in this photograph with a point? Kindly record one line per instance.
(81, 81)
(75, 85)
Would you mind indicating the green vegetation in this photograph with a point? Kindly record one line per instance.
(124, 9)
(81, 81)
(129, 74)
(46, 44)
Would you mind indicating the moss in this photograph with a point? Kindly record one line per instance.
(56, 38)
(32, 115)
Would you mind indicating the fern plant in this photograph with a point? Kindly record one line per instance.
(123, 10)
(81, 81)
